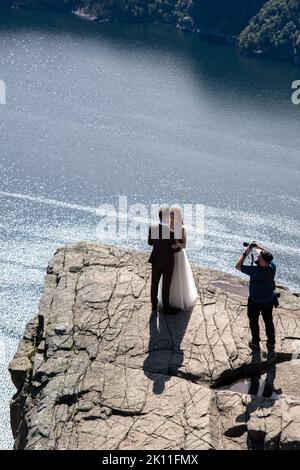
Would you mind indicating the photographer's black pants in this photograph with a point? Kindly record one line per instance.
(266, 310)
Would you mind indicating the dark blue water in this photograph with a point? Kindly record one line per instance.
(98, 111)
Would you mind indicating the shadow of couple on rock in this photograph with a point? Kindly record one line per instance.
(165, 356)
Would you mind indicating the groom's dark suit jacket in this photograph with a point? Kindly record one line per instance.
(161, 239)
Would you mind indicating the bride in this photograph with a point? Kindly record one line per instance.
(183, 292)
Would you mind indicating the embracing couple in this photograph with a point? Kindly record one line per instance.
(172, 284)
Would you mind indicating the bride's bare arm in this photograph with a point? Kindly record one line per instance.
(183, 244)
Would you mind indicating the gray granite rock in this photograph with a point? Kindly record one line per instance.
(97, 370)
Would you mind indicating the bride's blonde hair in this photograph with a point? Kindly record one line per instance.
(178, 220)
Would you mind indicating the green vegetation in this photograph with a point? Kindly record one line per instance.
(163, 10)
(227, 17)
(275, 31)
(267, 27)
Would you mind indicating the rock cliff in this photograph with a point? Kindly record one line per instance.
(95, 370)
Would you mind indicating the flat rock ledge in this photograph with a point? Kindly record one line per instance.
(96, 370)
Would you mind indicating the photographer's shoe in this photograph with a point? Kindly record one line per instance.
(270, 347)
(270, 351)
(254, 346)
(271, 356)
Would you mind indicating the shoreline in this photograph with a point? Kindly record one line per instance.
(205, 36)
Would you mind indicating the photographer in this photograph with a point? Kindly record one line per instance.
(261, 293)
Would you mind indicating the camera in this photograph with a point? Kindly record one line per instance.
(252, 245)
(276, 296)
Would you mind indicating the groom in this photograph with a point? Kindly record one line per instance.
(162, 259)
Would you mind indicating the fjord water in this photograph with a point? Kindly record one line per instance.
(97, 110)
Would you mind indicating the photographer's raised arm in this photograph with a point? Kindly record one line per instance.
(241, 261)
(259, 247)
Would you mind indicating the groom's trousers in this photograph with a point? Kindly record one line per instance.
(166, 273)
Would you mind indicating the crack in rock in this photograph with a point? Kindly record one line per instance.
(95, 370)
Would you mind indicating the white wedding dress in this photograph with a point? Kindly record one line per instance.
(183, 292)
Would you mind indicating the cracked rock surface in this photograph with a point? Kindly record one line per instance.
(97, 370)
